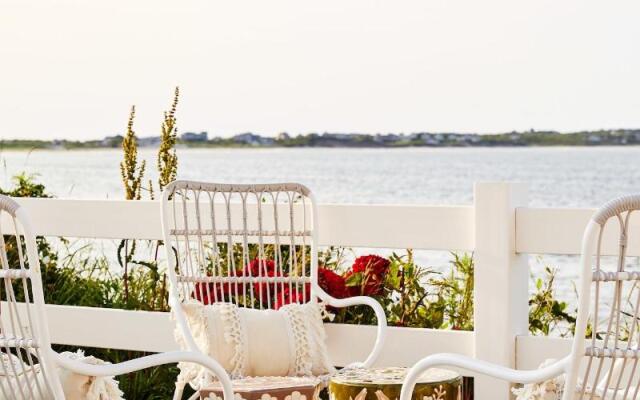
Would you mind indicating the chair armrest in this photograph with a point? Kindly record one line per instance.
(381, 323)
(479, 366)
(147, 362)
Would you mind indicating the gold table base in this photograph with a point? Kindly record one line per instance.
(385, 384)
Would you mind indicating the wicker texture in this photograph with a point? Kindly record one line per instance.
(245, 244)
(22, 341)
(612, 355)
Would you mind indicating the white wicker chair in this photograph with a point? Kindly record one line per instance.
(28, 362)
(606, 365)
(212, 230)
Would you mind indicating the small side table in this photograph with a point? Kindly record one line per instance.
(267, 388)
(385, 384)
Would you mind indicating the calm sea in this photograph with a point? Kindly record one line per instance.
(564, 176)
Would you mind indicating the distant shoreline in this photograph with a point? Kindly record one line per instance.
(618, 137)
(257, 148)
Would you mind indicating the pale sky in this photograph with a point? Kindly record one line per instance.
(71, 69)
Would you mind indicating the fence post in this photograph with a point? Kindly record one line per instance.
(501, 281)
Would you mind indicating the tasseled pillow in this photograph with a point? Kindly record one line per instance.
(249, 342)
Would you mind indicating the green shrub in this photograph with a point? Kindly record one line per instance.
(546, 313)
(415, 296)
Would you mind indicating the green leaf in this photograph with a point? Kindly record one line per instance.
(354, 279)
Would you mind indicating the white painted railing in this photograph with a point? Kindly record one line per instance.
(499, 228)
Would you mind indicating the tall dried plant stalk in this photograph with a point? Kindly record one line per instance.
(167, 158)
(132, 175)
(130, 171)
(151, 193)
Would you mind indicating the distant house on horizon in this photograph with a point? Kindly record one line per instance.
(194, 137)
(388, 138)
(112, 141)
(253, 139)
(593, 138)
(149, 141)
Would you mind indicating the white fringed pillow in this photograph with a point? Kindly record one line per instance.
(248, 342)
(75, 386)
(83, 387)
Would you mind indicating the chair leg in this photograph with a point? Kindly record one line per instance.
(177, 394)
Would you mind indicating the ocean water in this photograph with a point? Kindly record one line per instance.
(562, 177)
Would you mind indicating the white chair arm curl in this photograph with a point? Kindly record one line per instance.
(479, 366)
(380, 317)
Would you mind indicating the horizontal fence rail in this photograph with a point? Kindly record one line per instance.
(371, 226)
(559, 231)
(154, 332)
(374, 226)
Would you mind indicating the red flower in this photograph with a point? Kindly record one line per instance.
(293, 295)
(332, 283)
(372, 264)
(372, 270)
(262, 268)
(208, 292)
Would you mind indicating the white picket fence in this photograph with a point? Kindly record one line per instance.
(499, 228)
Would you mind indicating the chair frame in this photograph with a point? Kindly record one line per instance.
(570, 365)
(39, 340)
(316, 292)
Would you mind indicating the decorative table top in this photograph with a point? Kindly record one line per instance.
(391, 376)
(385, 384)
(267, 388)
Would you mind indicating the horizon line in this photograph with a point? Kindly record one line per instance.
(338, 133)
